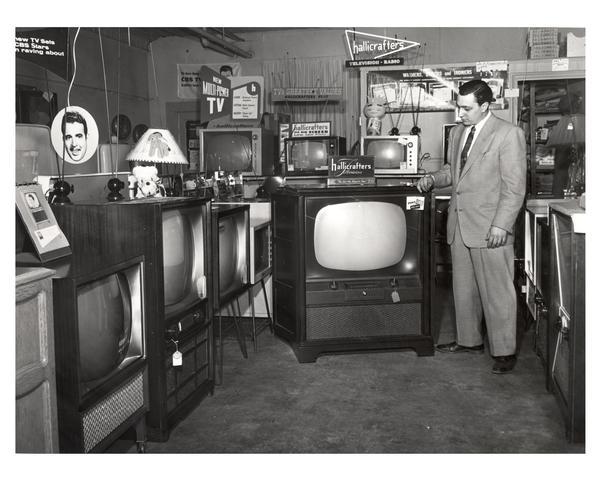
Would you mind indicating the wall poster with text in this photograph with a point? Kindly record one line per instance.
(434, 89)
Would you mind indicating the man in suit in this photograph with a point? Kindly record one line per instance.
(487, 171)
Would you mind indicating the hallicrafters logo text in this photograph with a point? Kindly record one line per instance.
(370, 46)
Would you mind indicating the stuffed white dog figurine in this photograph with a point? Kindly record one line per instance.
(148, 182)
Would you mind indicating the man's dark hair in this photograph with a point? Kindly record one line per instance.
(225, 68)
(72, 117)
(482, 91)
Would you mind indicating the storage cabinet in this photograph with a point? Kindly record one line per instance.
(36, 415)
(540, 115)
(537, 109)
(566, 320)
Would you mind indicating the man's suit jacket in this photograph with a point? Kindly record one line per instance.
(491, 187)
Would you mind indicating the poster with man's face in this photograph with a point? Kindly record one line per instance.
(74, 135)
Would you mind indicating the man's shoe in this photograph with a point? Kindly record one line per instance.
(504, 364)
(456, 348)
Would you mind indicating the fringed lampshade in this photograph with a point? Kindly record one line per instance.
(157, 146)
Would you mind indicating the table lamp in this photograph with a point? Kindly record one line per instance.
(156, 146)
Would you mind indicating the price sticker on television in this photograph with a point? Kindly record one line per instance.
(415, 203)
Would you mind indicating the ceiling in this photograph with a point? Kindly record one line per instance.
(226, 40)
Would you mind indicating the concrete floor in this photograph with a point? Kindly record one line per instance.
(390, 402)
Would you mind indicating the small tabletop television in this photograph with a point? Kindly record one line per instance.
(393, 154)
(308, 156)
(250, 151)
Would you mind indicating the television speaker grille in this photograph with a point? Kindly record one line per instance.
(104, 417)
(354, 321)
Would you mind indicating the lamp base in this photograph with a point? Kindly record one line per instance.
(114, 185)
(60, 192)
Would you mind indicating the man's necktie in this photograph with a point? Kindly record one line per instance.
(465, 150)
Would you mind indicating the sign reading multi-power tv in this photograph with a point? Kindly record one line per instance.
(238, 98)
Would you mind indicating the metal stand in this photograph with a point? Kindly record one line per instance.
(237, 316)
(238, 330)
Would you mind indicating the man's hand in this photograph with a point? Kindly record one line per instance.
(425, 183)
(496, 237)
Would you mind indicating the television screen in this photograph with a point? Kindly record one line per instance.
(392, 154)
(261, 250)
(184, 277)
(309, 154)
(228, 253)
(228, 151)
(233, 260)
(110, 319)
(374, 238)
(177, 255)
(104, 326)
(389, 154)
(364, 237)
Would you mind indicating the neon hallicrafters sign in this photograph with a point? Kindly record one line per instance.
(363, 46)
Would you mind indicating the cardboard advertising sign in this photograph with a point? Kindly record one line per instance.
(351, 170)
(215, 95)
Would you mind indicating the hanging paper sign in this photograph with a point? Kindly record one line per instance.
(47, 47)
(434, 89)
(306, 94)
(188, 77)
(188, 80)
(246, 101)
(311, 129)
(215, 96)
(351, 170)
(368, 49)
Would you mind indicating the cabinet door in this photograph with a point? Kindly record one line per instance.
(36, 417)
(546, 106)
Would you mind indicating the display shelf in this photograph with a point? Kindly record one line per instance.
(537, 111)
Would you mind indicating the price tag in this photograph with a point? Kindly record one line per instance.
(177, 358)
(395, 296)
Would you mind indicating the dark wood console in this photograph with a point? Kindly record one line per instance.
(352, 269)
(112, 230)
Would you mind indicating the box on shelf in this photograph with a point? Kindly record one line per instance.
(543, 36)
(543, 51)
